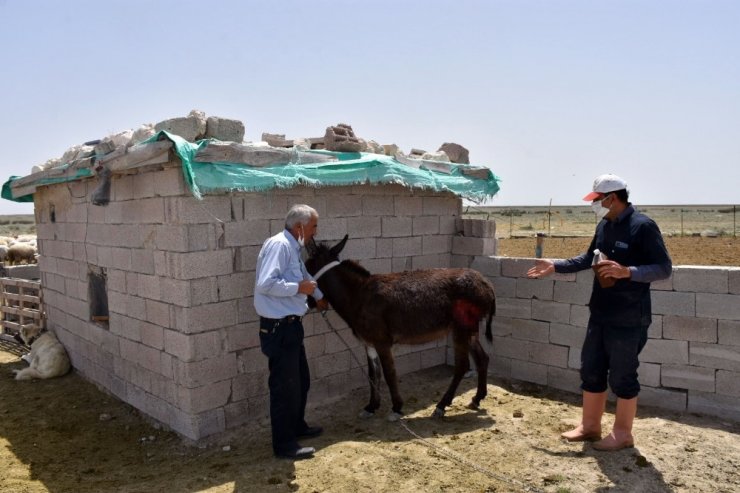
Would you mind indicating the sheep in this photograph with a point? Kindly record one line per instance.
(3, 252)
(19, 252)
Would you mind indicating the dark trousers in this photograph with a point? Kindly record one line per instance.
(289, 381)
(610, 354)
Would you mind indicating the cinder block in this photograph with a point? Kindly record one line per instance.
(244, 336)
(360, 248)
(151, 335)
(564, 379)
(490, 267)
(513, 307)
(204, 398)
(534, 288)
(674, 400)
(714, 404)
(373, 205)
(194, 265)
(246, 258)
(728, 333)
(529, 372)
(246, 233)
(509, 348)
(204, 318)
(655, 330)
(189, 210)
(462, 245)
(579, 315)
(649, 374)
(505, 287)
(443, 205)
(144, 185)
(548, 354)
(140, 354)
(198, 373)
(734, 280)
(433, 357)
(515, 267)
(665, 352)
(332, 229)
(574, 293)
(235, 286)
(169, 182)
(701, 279)
(566, 335)
(663, 285)
(425, 225)
(461, 261)
(404, 247)
(265, 205)
(364, 227)
(687, 377)
(447, 225)
(394, 227)
(158, 313)
(436, 244)
(197, 426)
(690, 329)
(673, 303)
(330, 364)
(143, 211)
(430, 261)
(550, 311)
(408, 206)
(715, 356)
(728, 383)
(343, 206)
(722, 306)
(142, 260)
(528, 330)
(175, 292)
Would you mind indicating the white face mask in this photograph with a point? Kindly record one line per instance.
(599, 209)
(301, 239)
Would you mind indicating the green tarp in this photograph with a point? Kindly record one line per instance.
(350, 169)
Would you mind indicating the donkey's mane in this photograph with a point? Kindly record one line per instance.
(356, 267)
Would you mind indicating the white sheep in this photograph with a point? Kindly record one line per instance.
(19, 252)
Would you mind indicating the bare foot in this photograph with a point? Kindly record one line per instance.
(615, 441)
(578, 434)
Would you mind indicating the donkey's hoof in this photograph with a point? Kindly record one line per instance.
(393, 416)
(474, 405)
(438, 413)
(365, 414)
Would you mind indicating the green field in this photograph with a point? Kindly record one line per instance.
(18, 224)
(673, 220)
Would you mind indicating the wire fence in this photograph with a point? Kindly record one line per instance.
(673, 220)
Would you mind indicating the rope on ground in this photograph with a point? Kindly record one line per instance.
(441, 450)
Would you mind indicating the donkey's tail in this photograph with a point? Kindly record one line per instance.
(491, 313)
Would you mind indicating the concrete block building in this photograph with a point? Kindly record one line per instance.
(147, 263)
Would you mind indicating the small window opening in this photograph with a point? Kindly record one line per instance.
(52, 214)
(98, 295)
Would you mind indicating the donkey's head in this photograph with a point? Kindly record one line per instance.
(321, 254)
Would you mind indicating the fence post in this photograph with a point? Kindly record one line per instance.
(681, 222)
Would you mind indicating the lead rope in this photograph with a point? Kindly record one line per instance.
(441, 450)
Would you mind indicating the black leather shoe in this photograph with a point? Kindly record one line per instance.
(297, 454)
(310, 432)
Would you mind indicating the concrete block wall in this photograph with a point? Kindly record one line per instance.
(181, 343)
(691, 361)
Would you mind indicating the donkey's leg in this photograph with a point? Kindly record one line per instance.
(389, 372)
(462, 364)
(481, 364)
(373, 374)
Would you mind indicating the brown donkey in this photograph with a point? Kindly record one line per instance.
(411, 307)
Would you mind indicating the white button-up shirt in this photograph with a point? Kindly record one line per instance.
(279, 271)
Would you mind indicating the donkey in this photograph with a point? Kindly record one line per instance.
(411, 307)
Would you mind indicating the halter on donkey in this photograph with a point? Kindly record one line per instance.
(412, 307)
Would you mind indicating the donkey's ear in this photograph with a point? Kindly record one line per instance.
(338, 247)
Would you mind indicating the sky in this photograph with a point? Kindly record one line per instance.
(548, 94)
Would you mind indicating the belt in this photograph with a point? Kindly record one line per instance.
(277, 321)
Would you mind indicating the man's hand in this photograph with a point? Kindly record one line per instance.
(542, 268)
(322, 305)
(307, 287)
(610, 268)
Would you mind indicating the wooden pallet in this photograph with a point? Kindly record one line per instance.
(20, 306)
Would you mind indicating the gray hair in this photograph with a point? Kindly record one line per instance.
(299, 213)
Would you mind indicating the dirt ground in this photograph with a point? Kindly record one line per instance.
(64, 435)
(686, 250)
